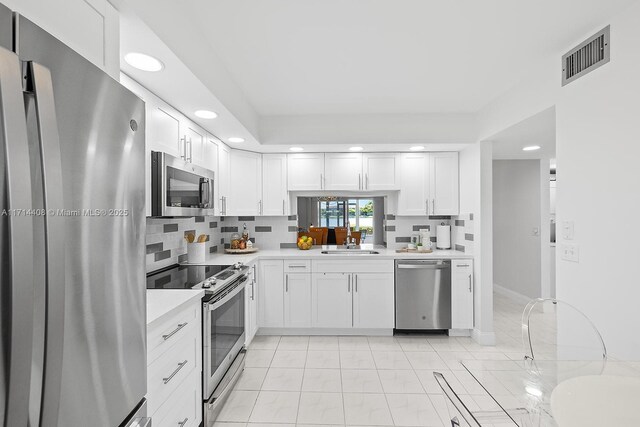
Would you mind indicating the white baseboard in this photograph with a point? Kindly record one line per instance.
(459, 332)
(324, 331)
(483, 338)
(517, 297)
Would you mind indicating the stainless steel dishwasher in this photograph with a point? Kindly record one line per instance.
(423, 294)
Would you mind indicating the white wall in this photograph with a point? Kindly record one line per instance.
(369, 129)
(597, 153)
(516, 212)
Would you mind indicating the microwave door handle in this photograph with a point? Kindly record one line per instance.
(17, 231)
(204, 192)
(49, 144)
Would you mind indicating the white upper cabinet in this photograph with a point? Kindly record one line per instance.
(224, 181)
(163, 129)
(305, 171)
(209, 158)
(380, 171)
(274, 185)
(245, 197)
(90, 27)
(343, 171)
(194, 144)
(443, 183)
(413, 177)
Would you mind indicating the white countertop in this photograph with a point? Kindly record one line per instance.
(163, 301)
(316, 253)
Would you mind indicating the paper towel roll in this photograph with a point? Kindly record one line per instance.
(443, 237)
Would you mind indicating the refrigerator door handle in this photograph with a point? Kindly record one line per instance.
(17, 235)
(40, 81)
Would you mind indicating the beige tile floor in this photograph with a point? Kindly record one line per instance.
(363, 381)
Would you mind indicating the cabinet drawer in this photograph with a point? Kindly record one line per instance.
(169, 371)
(184, 404)
(297, 266)
(163, 335)
(353, 266)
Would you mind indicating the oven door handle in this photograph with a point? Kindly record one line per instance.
(230, 295)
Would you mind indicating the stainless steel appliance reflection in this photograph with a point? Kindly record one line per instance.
(423, 294)
(180, 188)
(72, 268)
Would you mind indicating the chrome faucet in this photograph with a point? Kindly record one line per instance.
(350, 242)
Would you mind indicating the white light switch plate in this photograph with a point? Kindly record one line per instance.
(570, 253)
(567, 230)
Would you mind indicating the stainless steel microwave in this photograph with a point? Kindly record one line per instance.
(180, 188)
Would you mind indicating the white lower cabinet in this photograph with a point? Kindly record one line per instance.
(331, 305)
(357, 294)
(271, 294)
(297, 300)
(462, 294)
(251, 304)
(174, 354)
(373, 300)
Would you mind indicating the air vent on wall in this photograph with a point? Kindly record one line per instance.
(586, 57)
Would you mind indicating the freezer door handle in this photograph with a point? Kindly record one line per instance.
(16, 237)
(41, 83)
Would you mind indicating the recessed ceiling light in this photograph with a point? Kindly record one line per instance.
(531, 148)
(296, 149)
(416, 148)
(206, 114)
(143, 62)
(356, 149)
(235, 139)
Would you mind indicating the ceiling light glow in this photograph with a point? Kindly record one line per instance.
(531, 148)
(356, 149)
(235, 139)
(296, 149)
(416, 148)
(143, 62)
(206, 114)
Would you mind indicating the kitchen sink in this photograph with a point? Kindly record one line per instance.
(350, 252)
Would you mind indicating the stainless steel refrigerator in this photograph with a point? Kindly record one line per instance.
(72, 230)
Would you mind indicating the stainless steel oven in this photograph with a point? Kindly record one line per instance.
(180, 188)
(223, 340)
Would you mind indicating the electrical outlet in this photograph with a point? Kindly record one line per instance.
(570, 253)
(567, 230)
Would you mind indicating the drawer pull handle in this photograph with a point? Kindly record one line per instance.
(175, 331)
(463, 265)
(297, 266)
(173, 374)
(183, 422)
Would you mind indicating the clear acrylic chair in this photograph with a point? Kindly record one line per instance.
(556, 330)
(461, 416)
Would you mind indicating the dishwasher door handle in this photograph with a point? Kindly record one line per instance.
(424, 266)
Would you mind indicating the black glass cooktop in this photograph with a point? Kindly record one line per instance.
(184, 276)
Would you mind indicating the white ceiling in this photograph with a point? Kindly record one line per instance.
(539, 129)
(334, 72)
(294, 57)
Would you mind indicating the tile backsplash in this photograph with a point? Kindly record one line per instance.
(166, 244)
(266, 232)
(399, 229)
(165, 238)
